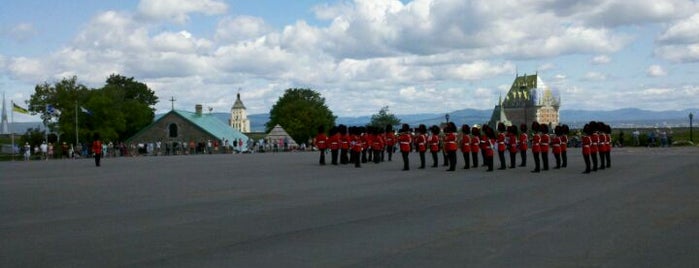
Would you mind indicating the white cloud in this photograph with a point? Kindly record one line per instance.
(655, 71)
(680, 41)
(20, 32)
(241, 28)
(178, 10)
(601, 59)
(595, 76)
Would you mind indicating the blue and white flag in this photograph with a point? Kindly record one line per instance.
(85, 110)
(52, 110)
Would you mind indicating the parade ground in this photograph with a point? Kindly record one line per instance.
(284, 210)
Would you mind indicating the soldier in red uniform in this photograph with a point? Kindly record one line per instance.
(465, 144)
(501, 144)
(421, 143)
(404, 141)
(523, 144)
(321, 142)
(602, 145)
(365, 136)
(512, 144)
(608, 133)
(475, 145)
(536, 146)
(545, 143)
(356, 145)
(334, 144)
(587, 147)
(433, 142)
(594, 147)
(377, 145)
(556, 145)
(450, 145)
(489, 137)
(390, 141)
(344, 144)
(564, 145)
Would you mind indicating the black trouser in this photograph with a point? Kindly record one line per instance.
(322, 157)
(451, 158)
(564, 159)
(537, 164)
(97, 159)
(474, 158)
(389, 150)
(467, 159)
(343, 156)
(523, 154)
(609, 160)
(558, 160)
(545, 159)
(489, 162)
(356, 158)
(603, 161)
(446, 158)
(501, 157)
(333, 156)
(586, 157)
(422, 159)
(406, 163)
(364, 151)
(435, 159)
(485, 162)
(594, 161)
(513, 157)
(377, 156)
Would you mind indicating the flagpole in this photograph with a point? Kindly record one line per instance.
(76, 123)
(12, 133)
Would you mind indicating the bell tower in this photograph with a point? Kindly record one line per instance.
(239, 117)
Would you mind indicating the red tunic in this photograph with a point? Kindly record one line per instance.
(488, 147)
(434, 143)
(357, 145)
(501, 142)
(377, 143)
(545, 142)
(321, 141)
(450, 142)
(536, 143)
(344, 141)
(475, 142)
(523, 139)
(390, 139)
(586, 145)
(564, 143)
(512, 139)
(404, 140)
(556, 145)
(594, 147)
(466, 144)
(334, 141)
(421, 141)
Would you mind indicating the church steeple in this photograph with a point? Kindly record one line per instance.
(239, 118)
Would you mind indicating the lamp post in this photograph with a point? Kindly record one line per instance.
(691, 116)
(446, 116)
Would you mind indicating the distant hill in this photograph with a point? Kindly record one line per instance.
(621, 118)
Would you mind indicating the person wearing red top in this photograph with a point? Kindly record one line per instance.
(433, 142)
(602, 145)
(536, 146)
(356, 145)
(556, 146)
(344, 144)
(390, 141)
(564, 145)
(475, 145)
(97, 149)
(512, 144)
(501, 144)
(545, 144)
(321, 142)
(465, 143)
(378, 145)
(594, 146)
(421, 142)
(523, 144)
(587, 147)
(450, 145)
(334, 144)
(488, 146)
(608, 133)
(366, 136)
(404, 141)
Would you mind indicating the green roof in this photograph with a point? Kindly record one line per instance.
(212, 125)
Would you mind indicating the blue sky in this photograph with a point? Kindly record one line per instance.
(430, 56)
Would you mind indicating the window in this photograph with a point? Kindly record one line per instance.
(173, 130)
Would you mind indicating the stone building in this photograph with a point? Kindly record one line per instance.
(239, 117)
(529, 99)
(176, 127)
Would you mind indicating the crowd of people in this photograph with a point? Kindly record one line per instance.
(357, 145)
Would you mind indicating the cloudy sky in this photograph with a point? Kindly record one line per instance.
(414, 56)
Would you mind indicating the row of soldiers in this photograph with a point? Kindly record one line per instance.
(369, 144)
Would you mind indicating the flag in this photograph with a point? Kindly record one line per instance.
(16, 108)
(52, 110)
(85, 110)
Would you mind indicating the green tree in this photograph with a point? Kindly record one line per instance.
(63, 96)
(300, 111)
(384, 118)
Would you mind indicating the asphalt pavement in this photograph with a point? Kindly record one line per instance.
(285, 210)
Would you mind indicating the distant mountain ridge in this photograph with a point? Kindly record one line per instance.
(621, 118)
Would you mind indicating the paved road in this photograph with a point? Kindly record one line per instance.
(283, 210)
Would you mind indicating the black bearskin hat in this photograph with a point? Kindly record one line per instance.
(465, 129)
(523, 128)
(422, 129)
(501, 127)
(405, 128)
(535, 126)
